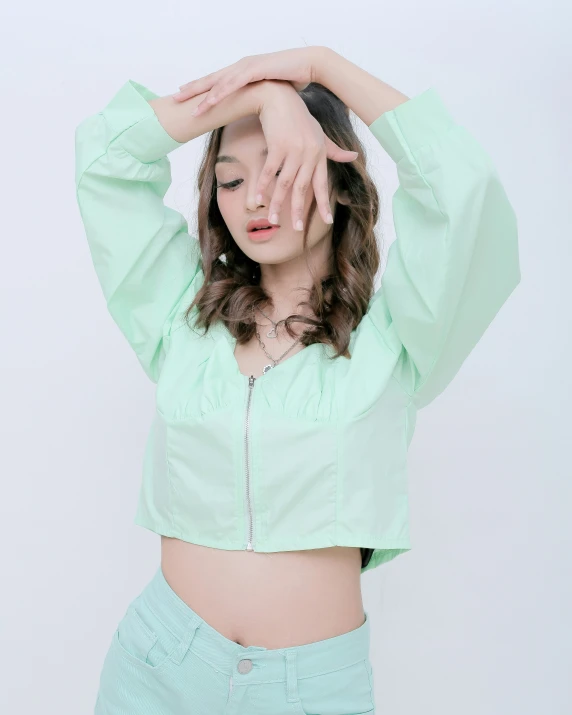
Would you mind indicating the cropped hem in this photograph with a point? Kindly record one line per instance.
(385, 549)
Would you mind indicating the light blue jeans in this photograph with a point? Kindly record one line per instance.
(164, 659)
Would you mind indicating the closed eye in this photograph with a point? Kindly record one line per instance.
(233, 185)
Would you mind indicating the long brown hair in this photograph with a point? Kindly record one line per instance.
(231, 286)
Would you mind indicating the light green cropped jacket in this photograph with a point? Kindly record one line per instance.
(313, 453)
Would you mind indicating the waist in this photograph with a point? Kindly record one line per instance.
(273, 600)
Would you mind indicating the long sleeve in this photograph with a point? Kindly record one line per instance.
(455, 259)
(142, 253)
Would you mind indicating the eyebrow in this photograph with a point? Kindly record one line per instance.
(226, 159)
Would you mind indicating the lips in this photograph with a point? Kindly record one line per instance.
(262, 234)
(259, 224)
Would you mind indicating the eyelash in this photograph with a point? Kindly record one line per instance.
(229, 186)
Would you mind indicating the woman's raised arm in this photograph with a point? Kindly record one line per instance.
(143, 256)
(455, 260)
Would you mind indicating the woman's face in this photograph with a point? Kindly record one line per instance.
(244, 141)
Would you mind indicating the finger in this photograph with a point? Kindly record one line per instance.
(271, 166)
(215, 95)
(205, 104)
(222, 89)
(231, 82)
(193, 89)
(301, 184)
(198, 86)
(322, 190)
(186, 94)
(336, 153)
(299, 86)
(227, 86)
(210, 78)
(283, 184)
(214, 77)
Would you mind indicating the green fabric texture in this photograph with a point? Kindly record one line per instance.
(313, 453)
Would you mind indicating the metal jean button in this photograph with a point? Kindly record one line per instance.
(244, 666)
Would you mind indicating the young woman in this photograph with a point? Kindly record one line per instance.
(275, 470)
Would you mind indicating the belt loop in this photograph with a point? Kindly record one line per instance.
(185, 644)
(291, 676)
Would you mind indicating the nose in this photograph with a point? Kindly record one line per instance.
(251, 203)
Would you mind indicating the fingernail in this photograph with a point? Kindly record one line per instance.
(194, 112)
(299, 225)
(177, 95)
(274, 218)
(329, 218)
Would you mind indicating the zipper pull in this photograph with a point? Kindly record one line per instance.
(251, 380)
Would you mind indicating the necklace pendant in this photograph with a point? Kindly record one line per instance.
(266, 368)
(271, 333)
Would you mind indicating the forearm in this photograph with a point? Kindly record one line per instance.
(366, 95)
(177, 121)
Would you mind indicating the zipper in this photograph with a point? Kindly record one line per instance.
(249, 545)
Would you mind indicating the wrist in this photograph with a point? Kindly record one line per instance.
(266, 90)
(322, 59)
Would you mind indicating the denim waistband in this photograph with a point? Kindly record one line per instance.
(268, 664)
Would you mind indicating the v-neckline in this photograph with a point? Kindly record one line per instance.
(231, 342)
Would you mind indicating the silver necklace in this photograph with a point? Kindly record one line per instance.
(275, 361)
(272, 332)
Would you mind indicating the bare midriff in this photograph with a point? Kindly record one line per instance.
(273, 600)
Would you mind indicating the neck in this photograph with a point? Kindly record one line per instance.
(289, 283)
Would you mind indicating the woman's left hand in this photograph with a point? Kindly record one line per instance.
(296, 66)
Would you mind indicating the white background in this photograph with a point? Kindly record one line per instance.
(476, 618)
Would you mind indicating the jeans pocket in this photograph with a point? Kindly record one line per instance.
(346, 691)
(142, 638)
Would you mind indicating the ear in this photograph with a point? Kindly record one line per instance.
(343, 198)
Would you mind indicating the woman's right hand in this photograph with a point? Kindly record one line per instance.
(298, 146)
